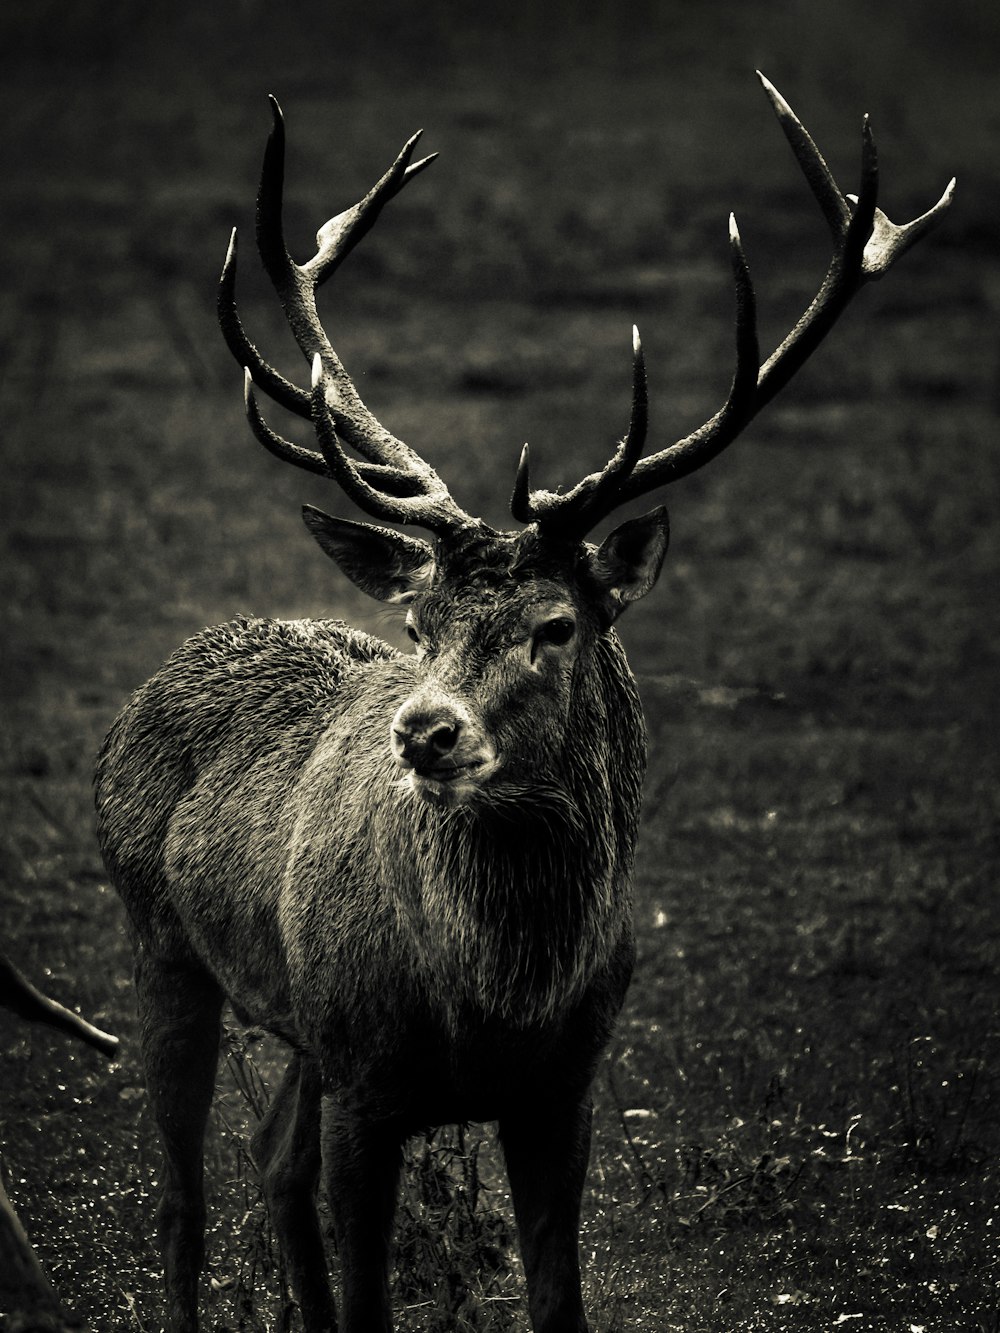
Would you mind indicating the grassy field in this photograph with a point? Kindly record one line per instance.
(797, 1122)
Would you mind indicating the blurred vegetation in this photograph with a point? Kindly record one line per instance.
(796, 1126)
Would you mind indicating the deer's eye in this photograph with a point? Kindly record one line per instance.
(553, 633)
(412, 632)
(557, 631)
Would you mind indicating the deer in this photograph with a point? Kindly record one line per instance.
(414, 868)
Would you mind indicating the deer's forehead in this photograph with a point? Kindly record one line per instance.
(500, 607)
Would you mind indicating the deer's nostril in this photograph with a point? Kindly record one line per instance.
(444, 738)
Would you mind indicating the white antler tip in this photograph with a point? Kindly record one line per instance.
(636, 340)
(228, 274)
(781, 107)
(734, 231)
(317, 369)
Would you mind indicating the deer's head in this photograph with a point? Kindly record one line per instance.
(504, 623)
(504, 626)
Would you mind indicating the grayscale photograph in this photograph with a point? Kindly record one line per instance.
(499, 782)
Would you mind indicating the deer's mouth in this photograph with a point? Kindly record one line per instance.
(448, 783)
(443, 751)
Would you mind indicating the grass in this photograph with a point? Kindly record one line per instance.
(796, 1124)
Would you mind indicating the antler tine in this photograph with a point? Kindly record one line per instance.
(390, 480)
(308, 459)
(596, 495)
(428, 504)
(337, 238)
(826, 191)
(702, 445)
(865, 245)
(521, 497)
(609, 482)
(274, 384)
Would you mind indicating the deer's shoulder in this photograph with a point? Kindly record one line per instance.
(254, 675)
(249, 647)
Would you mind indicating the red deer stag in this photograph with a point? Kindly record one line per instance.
(413, 869)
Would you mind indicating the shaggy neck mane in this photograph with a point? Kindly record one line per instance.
(526, 893)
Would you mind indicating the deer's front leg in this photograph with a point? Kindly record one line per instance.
(547, 1151)
(179, 1010)
(286, 1148)
(361, 1162)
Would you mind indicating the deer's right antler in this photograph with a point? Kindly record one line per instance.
(393, 482)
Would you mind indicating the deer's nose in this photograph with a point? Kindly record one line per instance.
(423, 738)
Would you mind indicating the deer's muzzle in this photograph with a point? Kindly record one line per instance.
(443, 750)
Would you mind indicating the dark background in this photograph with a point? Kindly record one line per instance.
(798, 1119)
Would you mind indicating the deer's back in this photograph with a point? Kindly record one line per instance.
(200, 765)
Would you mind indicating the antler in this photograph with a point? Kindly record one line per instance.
(393, 482)
(865, 245)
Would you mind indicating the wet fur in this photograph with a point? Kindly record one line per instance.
(426, 963)
(267, 806)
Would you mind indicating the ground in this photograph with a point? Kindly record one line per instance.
(796, 1122)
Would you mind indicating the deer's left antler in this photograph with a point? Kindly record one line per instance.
(865, 245)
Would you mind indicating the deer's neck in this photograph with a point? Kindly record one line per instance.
(526, 895)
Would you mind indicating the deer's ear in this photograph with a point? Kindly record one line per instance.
(385, 564)
(628, 562)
